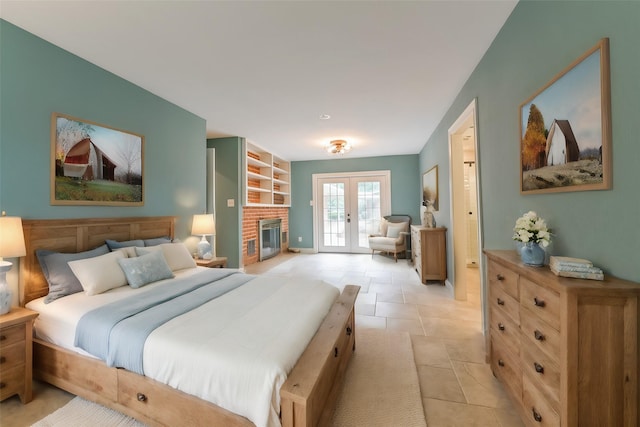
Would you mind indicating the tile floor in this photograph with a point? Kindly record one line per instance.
(457, 386)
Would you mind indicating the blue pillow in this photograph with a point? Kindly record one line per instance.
(145, 269)
(157, 241)
(56, 270)
(114, 244)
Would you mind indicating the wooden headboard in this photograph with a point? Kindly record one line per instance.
(77, 235)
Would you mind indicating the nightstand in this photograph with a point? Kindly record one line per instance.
(16, 367)
(219, 262)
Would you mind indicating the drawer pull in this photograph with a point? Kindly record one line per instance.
(500, 302)
(500, 277)
(501, 326)
(536, 415)
(2, 385)
(538, 302)
(500, 362)
(2, 337)
(335, 352)
(141, 397)
(538, 367)
(538, 335)
(349, 330)
(3, 359)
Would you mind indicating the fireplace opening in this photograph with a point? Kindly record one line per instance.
(269, 234)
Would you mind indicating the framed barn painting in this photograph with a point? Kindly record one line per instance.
(430, 188)
(565, 129)
(93, 164)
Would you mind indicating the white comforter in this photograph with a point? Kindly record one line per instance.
(234, 351)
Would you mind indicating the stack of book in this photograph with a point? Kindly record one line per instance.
(574, 267)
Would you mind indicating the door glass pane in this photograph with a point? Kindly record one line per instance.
(333, 214)
(368, 211)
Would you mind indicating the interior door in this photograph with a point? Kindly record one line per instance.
(349, 209)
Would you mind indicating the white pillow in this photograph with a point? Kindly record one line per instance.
(393, 229)
(99, 274)
(176, 254)
(129, 251)
(383, 226)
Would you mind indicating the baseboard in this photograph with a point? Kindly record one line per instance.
(449, 285)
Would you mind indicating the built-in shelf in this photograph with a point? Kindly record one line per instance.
(266, 178)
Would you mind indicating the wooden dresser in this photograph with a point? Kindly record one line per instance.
(429, 252)
(565, 349)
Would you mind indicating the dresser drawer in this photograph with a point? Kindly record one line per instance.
(12, 334)
(505, 302)
(538, 332)
(506, 367)
(538, 411)
(11, 381)
(544, 372)
(12, 355)
(507, 278)
(507, 329)
(543, 302)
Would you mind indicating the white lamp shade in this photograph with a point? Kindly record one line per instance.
(11, 237)
(203, 225)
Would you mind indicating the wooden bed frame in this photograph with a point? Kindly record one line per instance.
(308, 397)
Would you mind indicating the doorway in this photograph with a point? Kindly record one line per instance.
(465, 207)
(348, 208)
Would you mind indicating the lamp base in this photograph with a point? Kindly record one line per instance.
(204, 249)
(5, 291)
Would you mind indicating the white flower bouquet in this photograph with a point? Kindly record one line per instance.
(531, 228)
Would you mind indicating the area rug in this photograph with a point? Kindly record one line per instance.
(82, 413)
(381, 388)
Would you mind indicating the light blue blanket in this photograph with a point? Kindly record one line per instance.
(116, 332)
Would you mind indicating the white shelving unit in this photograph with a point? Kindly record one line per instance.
(267, 178)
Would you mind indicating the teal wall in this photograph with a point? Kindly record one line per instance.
(539, 40)
(228, 187)
(37, 79)
(405, 189)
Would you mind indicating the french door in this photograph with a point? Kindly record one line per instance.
(348, 209)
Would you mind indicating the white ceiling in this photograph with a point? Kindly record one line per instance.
(386, 72)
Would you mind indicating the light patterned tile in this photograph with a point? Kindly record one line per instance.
(439, 383)
(441, 413)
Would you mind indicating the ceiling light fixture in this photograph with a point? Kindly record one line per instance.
(324, 117)
(338, 146)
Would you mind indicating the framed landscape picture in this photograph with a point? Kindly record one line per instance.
(565, 129)
(93, 164)
(430, 188)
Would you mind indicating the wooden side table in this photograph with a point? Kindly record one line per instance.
(217, 262)
(16, 353)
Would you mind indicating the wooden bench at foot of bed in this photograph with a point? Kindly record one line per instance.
(307, 398)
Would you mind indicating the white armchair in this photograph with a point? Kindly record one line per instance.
(392, 235)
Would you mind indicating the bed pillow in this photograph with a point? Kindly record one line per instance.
(56, 270)
(176, 254)
(145, 269)
(114, 244)
(128, 251)
(384, 224)
(99, 274)
(156, 241)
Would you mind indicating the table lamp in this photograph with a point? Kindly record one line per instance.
(203, 225)
(11, 245)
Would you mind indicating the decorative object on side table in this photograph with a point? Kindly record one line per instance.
(11, 245)
(204, 225)
(532, 231)
(428, 220)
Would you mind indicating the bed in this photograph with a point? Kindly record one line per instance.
(306, 398)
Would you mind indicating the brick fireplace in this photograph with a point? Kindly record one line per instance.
(250, 240)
